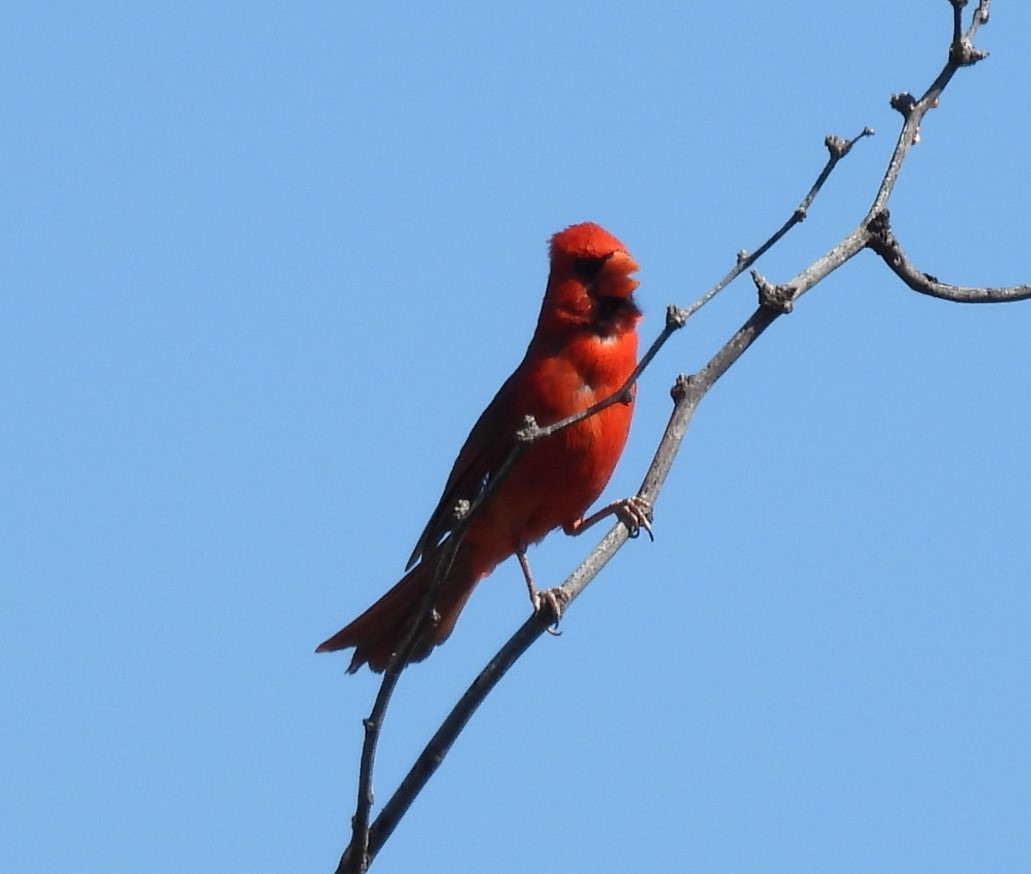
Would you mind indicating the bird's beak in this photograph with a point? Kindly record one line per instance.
(615, 275)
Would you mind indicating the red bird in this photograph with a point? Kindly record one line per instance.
(584, 349)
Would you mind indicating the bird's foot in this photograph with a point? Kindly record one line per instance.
(548, 604)
(636, 513)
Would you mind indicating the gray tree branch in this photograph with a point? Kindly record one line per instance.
(873, 232)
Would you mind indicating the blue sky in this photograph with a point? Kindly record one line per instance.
(263, 265)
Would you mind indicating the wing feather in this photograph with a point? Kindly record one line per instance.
(483, 452)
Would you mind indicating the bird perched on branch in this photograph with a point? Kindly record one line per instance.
(583, 350)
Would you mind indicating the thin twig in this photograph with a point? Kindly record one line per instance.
(357, 862)
(676, 317)
(837, 149)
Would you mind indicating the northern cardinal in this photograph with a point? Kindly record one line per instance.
(584, 349)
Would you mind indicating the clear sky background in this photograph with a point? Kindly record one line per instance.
(261, 267)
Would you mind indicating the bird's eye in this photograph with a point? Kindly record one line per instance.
(587, 269)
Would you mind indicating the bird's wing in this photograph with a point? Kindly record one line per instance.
(484, 451)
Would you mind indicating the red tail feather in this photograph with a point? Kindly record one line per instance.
(379, 632)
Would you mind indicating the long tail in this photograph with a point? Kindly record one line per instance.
(381, 630)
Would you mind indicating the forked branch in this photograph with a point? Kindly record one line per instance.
(873, 232)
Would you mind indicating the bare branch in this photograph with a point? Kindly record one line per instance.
(868, 234)
(961, 54)
(837, 149)
(365, 839)
(873, 232)
(883, 242)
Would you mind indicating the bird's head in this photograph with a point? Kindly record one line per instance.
(590, 286)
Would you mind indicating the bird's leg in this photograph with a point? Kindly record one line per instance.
(548, 603)
(634, 512)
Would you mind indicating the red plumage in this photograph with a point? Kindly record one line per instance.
(583, 350)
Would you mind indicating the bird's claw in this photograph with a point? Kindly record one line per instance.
(548, 605)
(636, 513)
